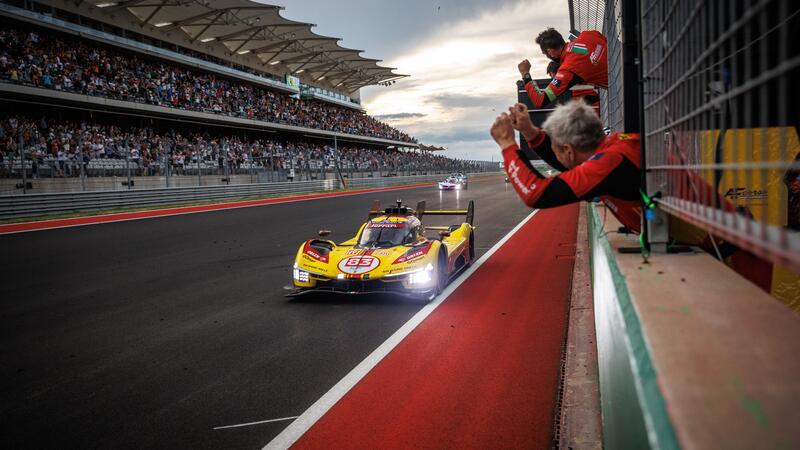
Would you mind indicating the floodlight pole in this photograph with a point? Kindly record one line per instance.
(165, 155)
(22, 160)
(80, 161)
(128, 162)
(197, 160)
(250, 161)
(336, 161)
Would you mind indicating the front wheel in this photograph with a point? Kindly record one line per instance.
(441, 273)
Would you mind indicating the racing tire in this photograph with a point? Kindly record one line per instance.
(471, 248)
(441, 273)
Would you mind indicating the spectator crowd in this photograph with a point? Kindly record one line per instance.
(61, 144)
(53, 61)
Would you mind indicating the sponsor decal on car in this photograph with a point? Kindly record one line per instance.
(358, 264)
(386, 225)
(413, 254)
(308, 250)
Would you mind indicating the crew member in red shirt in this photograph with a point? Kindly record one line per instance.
(584, 92)
(596, 166)
(592, 164)
(582, 61)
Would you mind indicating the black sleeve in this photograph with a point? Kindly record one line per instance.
(524, 158)
(557, 193)
(545, 151)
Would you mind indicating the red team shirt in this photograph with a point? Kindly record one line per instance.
(611, 175)
(584, 60)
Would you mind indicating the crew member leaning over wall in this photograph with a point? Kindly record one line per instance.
(598, 167)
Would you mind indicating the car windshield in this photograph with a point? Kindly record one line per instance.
(385, 235)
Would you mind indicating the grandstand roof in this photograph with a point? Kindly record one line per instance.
(248, 28)
(431, 148)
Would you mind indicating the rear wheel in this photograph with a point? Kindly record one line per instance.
(471, 248)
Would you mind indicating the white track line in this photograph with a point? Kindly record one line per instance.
(296, 429)
(254, 423)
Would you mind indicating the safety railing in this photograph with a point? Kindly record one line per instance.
(718, 111)
(720, 119)
(17, 206)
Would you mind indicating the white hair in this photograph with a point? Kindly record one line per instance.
(575, 123)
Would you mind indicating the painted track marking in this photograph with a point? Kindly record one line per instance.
(305, 421)
(238, 425)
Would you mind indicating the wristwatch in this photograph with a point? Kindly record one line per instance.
(527, 78)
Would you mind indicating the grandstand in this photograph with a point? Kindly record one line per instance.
(201, 88)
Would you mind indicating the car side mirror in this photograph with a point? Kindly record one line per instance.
(323, 233)
(444, 234)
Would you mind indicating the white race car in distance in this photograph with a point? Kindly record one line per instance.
(453, 182)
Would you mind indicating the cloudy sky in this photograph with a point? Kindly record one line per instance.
(462, 56)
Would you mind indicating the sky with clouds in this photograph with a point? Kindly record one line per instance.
(462, 56)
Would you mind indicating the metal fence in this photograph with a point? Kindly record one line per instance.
(721, 116)
(19, 206)
(606, 16)
(719, 112)
(586, 14)
(611, 99)
(48, 175)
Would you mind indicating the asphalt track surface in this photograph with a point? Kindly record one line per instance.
(481, 371)
(151, 333)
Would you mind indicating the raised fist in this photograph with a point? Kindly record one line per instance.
(524, 67)
(502, 132)
(521, 122)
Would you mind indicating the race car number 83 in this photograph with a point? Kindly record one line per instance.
(358, 264)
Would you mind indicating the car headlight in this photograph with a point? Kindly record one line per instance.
(300, 275)
(421, 276)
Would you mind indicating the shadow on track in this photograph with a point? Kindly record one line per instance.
(336, 298)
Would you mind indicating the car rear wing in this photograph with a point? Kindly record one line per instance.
(376, 210)
(469, 212)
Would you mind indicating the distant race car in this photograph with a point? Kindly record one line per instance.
(448, 185)
(390, 254)
(453, 182)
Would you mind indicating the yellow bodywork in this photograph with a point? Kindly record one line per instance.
(347, 264)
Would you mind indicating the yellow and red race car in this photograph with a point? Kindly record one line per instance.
(390, 254)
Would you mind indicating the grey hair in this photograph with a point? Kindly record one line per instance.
(575, 123)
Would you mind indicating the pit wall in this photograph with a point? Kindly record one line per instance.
(633, 410)
(690, 354)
